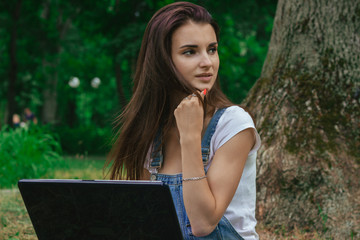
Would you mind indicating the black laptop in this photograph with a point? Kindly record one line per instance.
(101, 210)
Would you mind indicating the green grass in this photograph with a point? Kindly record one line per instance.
(79, 168)
(14, 220)
(15, 223)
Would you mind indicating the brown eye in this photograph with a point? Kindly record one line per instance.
(212, 50)
(188, 52)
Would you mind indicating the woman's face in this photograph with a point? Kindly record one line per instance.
(194, 53)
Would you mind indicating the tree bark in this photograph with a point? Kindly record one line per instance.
(306, 103)
(13, 70)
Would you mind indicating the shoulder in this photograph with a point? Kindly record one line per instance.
(234, 120)
(236, 115)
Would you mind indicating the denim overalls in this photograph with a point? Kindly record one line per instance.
(224, 230)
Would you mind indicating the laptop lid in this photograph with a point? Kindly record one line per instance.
(97, 209)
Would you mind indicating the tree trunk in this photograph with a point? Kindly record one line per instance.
(50, 91)
(50, 67)
(306, 103)
(13, 70)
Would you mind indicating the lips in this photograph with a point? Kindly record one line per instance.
(204, 76)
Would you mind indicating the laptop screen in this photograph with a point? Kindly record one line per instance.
(80, 209)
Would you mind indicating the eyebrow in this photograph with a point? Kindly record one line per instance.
(195, 46)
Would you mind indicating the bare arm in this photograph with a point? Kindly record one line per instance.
(206, 200)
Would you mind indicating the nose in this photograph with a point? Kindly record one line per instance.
(205, 60)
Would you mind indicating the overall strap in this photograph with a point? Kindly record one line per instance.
(156, 156)
(205, 142)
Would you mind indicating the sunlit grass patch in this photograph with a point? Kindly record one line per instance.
(75, 168)
(14, 220)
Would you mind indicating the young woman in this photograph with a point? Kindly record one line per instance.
(180, 128)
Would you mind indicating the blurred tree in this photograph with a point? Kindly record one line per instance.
(244, 37)
(14, 9)
(58, 40)
(61, 39)
(57, 17)
(122, 24)
(307, 106)
(25, 89)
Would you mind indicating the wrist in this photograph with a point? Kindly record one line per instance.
(191, 139)
(191, 155)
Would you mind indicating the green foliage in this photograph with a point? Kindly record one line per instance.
(58, 40)
(26, 153)
(86, 105)
(84, 140)
(245, 29)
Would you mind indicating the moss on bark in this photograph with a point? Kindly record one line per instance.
(307, 110)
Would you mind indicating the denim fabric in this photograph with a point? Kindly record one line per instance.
(224, 230)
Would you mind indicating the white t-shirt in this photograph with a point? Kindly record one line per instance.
(241, 210)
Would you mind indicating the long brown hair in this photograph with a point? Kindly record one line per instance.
(156, 78)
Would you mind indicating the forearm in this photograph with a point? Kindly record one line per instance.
(199, 200)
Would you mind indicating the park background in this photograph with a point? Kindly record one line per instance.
(45, 44)
(71, 63)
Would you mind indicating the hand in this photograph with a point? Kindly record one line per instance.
(189, 115)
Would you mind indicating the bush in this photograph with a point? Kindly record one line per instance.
(84, 140)
(26, 153)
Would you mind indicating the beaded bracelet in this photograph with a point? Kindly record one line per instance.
(193, 178)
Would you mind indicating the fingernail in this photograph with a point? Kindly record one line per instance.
(204, 92)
